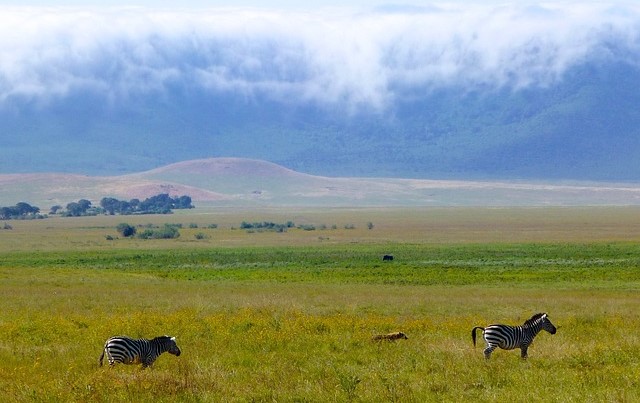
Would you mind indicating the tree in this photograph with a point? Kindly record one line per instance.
(74, 209)
(20, 210)
(126, 230)
(55, 209)
(26, 209)
(183, 202)
(6, 213)
(134, 204)
(110, 205)
(84, 204)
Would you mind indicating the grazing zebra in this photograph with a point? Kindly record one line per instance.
(138, 351)
(510, 337)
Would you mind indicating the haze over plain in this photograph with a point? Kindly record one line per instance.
(457, 90)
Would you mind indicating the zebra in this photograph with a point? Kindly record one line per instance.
(510, 337)
(138, 351)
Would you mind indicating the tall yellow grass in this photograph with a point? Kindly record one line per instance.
(264, 340)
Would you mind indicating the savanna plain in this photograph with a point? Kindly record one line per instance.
(288, 316)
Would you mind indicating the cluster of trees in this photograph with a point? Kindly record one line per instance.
(80, 208)
(21, 210)
(159, 204)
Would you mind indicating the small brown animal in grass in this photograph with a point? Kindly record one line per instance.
(390, 336)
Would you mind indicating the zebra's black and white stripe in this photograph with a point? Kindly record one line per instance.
(511, 337)
(126, 350)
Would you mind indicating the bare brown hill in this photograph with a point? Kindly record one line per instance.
(237, 181)
(224, 166)
(49, 189)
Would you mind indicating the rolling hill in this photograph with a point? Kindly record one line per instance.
(247, 182)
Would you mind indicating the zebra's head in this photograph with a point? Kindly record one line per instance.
(170, 345)
(542, 320)
(547, 325)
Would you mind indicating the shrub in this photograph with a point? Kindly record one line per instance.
(265, 226)
(126, 230)
(167, 232)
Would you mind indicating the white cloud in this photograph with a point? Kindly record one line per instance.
(360, 58)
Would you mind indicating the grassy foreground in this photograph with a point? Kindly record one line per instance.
(293, 323)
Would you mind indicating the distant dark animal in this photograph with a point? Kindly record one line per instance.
(387, 257)
(389, 336)
(125, 350)
(510, 337)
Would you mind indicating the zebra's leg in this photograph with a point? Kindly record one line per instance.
(147, 362)
(488, 351)
(112, 361)
(523, 351)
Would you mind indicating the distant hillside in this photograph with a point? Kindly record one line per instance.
(585, 128)
(512, 91)
(245, 182)
(46, 190)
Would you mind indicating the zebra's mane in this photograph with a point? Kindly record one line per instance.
(163, 338)
(534, 318)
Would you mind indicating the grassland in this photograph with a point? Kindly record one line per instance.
(265, 316)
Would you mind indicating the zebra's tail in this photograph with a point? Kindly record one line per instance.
(101, 357)
(473, 333)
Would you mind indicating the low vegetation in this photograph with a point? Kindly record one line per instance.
(266, 226)
(168, 231)
(294, 322)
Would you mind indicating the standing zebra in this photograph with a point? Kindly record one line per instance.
(138, 351)
(510, 337)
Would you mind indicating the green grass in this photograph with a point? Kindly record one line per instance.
(293, 322)
(610, 265)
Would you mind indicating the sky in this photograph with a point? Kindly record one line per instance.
(276, 4)
(346, 52)
(271, 4)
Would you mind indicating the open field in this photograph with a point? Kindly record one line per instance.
(427, 225)
(265, 316)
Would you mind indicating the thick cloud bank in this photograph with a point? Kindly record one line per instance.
(356, 57)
